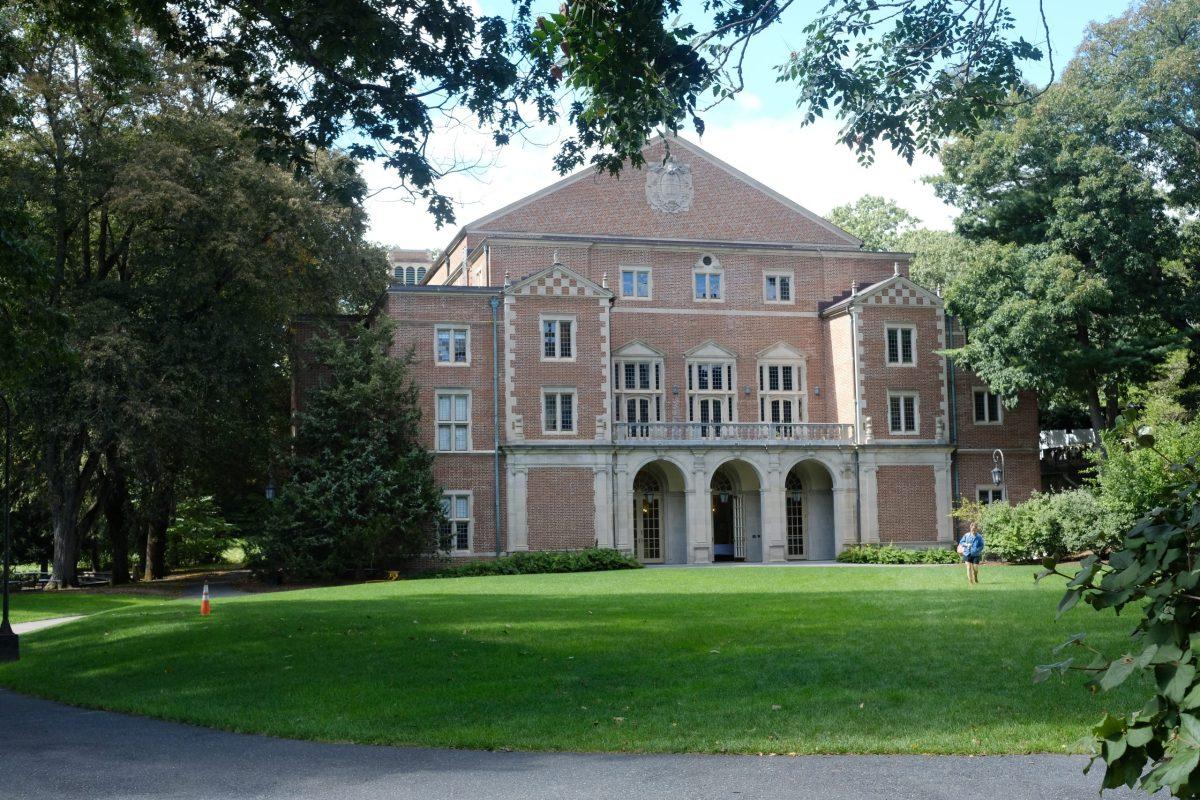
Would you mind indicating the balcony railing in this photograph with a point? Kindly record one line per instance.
(802, 433)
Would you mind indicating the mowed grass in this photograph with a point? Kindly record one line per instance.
(806, 660)
(31, 606)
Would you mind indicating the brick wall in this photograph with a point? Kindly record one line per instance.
(925, 378)
(553, 523)
(907, 504)
(724, 208)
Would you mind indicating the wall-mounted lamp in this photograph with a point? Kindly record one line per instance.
(816, 391)
(998, 466)
(746, 390)
(675, 391)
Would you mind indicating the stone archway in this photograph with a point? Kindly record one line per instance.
(808, 512)
(659, 514)
(736, 506)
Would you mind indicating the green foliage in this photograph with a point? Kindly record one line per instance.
(1081, 288)
(881, 223)
(360, 492)
(940, 67)
(890, 554)
(593, 559)
(1154, 576)
(1046, 525)
(1133, 480)
(198, 534)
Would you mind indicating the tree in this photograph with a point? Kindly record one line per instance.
(308, 72)
(164, 262)
(881, 223)
(360, 491)
(1080, 290)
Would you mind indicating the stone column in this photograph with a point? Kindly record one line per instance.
(942, 491)
(623, 535)
(518, 514)
(843, 518)
(774, 514)
(699, 513)
(869, 487)
(603, 502)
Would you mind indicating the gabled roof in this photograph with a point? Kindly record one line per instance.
(709, 349)
(557, 280)
(781, 350)
(896, 290)
(637, 349)
(831, 235)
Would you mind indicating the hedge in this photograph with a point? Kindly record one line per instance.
(890, 554)
(593, 559)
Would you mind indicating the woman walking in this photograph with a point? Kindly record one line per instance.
(970, 547)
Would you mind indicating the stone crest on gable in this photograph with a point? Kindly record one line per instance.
(669, 187)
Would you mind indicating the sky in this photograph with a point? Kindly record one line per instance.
(759, 132)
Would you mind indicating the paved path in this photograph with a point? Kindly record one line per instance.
(38, 624)
(51, 750)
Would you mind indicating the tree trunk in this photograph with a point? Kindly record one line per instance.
(116, 516)
(66, 482)
(1095, 410)
(158, 519)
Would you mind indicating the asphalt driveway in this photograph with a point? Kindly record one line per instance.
(51, 750)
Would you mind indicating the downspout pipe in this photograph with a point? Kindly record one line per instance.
(494, 302)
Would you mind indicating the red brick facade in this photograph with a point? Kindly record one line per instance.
(832, 468)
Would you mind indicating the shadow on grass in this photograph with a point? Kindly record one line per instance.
(739, 671)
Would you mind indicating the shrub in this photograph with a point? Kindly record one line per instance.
(890, 554)
(198, 534)
(1046, 526)
(594, 559)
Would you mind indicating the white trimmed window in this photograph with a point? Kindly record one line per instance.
(712, 388)
(638, 392)
(777, 287)
(452, 345)
(901, 343)
(456, 522)
(989, 494)
(558, 411)
(636, 283)
(903, 408)
(708, 280)
(453, 421)
(781, 392)
(988, 408)
(558, 338)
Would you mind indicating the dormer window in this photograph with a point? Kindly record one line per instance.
(708, 280)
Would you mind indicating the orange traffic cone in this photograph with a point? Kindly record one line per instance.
(205, 605)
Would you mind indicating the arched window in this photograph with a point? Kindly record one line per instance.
(420, 274)
(708, 280)
(409, 275)
(794, 494)
(647, 517)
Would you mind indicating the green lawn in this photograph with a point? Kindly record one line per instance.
(809, 660)
(30, 606)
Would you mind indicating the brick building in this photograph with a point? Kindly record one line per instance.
(684, 364)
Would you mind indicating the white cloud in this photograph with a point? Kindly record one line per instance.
(749, 101)
(803, 163)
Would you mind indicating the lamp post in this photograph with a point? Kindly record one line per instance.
(997, 466)
(9, 646)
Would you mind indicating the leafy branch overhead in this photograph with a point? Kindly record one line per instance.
(379, 77)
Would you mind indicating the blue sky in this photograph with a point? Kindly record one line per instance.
(759, 133)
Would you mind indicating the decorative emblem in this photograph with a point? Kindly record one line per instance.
(669, 187)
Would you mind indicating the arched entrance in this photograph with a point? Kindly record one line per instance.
(808, 512)
(659, 514)
(736, 513)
